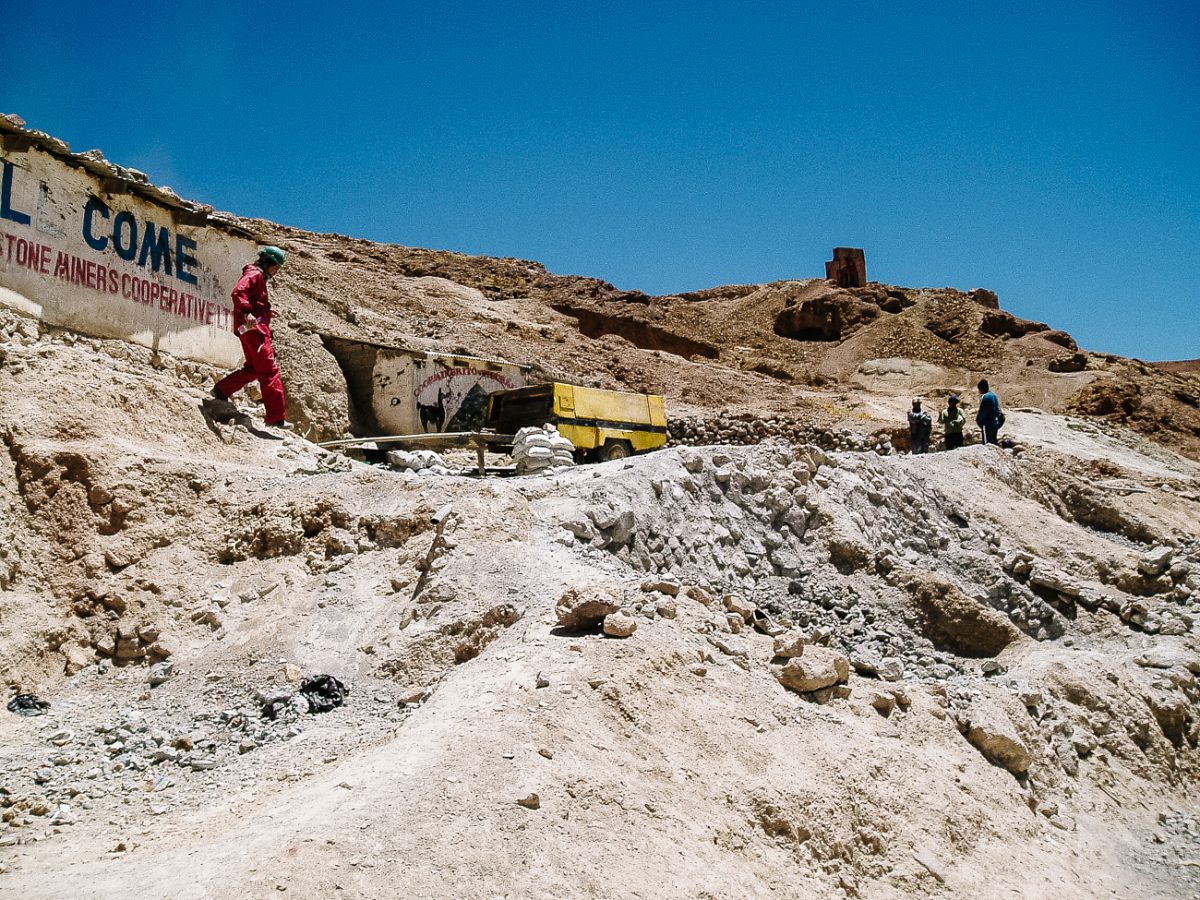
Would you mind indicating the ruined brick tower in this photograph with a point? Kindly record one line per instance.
(848, 268)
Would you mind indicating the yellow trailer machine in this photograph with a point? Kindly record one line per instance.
(601, 424)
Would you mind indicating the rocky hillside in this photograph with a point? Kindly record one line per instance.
(776, 659)
(1189, 366)
(783, 347)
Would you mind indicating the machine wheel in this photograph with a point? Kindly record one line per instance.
(614, 450)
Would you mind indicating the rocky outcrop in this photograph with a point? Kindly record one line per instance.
(953, 621)
(989, 727)
(1003, 324)
(818, 667)
(829, 315)
(586, 607)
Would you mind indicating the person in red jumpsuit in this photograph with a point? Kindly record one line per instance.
(252, 325)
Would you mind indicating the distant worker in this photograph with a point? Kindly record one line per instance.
(989, 418)
(952, 421)
(920, 426)
(252, 325)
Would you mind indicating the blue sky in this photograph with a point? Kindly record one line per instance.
(1049, 152)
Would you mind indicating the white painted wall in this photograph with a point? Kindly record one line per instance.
(422, 393)
(68, 267)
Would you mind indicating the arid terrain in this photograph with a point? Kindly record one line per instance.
(855, 672)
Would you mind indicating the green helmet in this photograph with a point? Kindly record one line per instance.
(271, 255)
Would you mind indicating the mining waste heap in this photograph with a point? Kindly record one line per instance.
(781, 657)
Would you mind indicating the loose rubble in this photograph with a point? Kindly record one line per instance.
(668, 651)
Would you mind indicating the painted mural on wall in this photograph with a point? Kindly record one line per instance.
(114, 265)
(418, 393)
(455, 398)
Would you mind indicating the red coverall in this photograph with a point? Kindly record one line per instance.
(250, 297)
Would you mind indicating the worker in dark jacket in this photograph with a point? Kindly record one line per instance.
(920, 426)
(990, 417)
(252, 325)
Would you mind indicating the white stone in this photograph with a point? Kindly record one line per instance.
(819, 667)
(790, 645)
(1156, 562)
(619, 625)
(891, 668)
(1052, 579)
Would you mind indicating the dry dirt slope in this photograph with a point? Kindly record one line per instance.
(759, 349)
(1019, 719)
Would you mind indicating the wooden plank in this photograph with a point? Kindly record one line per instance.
(435, 439)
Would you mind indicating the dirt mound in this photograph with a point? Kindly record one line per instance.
(740, 347)
(1162, 404)
(797, 638)
(1183, 367)
(978, 638)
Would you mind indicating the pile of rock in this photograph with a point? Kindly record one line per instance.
(726, 519)
(819, 673)
(748, 429)
(800, 528)
(659, 597)
(1164, 586)
(422, 462)
(879, 644)
(595, 605)
(138, 751)
(131, 643)
(1026, 594)
(535, 449)
(604, 525)
(1167, 571)
(18, 331)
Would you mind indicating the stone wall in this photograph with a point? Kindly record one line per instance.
(748, 429)
(848, 268)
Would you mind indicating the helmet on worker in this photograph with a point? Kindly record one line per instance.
(271, 256)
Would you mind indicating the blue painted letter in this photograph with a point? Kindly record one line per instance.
(183, 258)
(94, 205)
(125, 251)
(6, 210)
(158, 249)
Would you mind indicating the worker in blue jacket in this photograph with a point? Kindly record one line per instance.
(990, 417)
